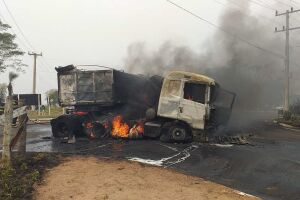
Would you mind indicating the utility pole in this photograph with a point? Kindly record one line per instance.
(35, 55)
(287, 30)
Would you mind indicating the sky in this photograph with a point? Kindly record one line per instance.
(99, 31)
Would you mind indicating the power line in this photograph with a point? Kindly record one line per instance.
(283, 3)
(26, 39)
(271, 8)
(262, 5)
(296, 2)
(227, 32)
(18, 27)
(239, 6)
(14, 33)
(24, 44)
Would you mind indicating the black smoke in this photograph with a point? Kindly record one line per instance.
(256, 76)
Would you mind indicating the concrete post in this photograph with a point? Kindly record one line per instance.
(8, 113)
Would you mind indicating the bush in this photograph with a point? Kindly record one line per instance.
(287, 115)
(295, 108)
(16, 181)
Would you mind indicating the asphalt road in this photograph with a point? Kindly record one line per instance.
(268, 168)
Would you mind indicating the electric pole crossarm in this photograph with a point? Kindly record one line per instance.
(288, 11)
(294, 28)
(278, 31)
(284, 29)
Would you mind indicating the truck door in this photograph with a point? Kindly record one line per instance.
(170, 98)
(192, 107)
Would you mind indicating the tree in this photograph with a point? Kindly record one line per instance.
(53, 96)
(9, 50)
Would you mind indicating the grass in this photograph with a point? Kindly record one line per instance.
(294, 120)
(55, 112)
(17, 181)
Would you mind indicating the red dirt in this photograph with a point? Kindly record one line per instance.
(92, 178)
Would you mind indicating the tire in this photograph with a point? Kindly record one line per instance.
(178, 133)
(173, 132)
(59, 128)
(66, 125)
(96, 131)
(165, 136)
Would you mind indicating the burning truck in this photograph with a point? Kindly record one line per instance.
(106, 102)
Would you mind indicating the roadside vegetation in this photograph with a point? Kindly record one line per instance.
(17, 181)
(293, 116)
(54, 112)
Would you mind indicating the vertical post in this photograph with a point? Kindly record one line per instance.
(34, 74)
(35, 55)
(8, 114)
(287, 63)
(287, 30)
(49, 106)
(21, 142)
(39, 105)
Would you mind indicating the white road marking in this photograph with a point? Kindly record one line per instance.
(243, 193)
(167, 162)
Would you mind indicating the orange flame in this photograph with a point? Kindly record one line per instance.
(137, 130)
(139, 127)
(119, 128)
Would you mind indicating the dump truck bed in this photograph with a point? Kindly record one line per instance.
(106, 87)
(85, 87)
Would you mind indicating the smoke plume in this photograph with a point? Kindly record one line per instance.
(254, 75)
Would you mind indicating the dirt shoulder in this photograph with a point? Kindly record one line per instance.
(92, 178)
(17, 180)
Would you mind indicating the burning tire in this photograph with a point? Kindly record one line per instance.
(176, 133)
(95, 130)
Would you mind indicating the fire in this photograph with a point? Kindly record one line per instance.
(106, 125)
(137, 130)
(119, 128)
(123, 130)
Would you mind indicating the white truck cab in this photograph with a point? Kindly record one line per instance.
(185, 96)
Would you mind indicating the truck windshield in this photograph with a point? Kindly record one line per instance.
(195, 92)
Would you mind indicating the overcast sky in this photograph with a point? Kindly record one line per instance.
(99, 31)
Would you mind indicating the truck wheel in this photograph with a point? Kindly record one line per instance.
(165, 136)
(173, 132)
(178, 133)
(60, 130)
(63, 125)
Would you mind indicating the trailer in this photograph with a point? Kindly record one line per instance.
(109, 102)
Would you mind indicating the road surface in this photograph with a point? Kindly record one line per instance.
(268, 168)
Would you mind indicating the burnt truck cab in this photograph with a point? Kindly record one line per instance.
(186, 96)
(195, 101)
(175, 107)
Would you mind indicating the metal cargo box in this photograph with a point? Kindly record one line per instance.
(77, 87)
